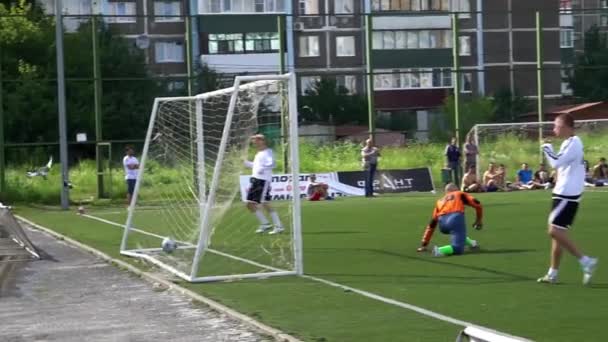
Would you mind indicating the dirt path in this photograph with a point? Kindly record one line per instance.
(73, 296)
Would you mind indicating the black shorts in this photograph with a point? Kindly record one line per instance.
(131, 186)
(259, 191)
(563, 212)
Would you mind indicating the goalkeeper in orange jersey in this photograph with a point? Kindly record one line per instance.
(449, 214)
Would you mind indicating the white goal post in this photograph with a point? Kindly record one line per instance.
(514, 143)
(188, 187)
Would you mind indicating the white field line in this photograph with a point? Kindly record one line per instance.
(214, 251)
(363, 293)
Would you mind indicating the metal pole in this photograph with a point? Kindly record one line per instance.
(284, 132)
(456, 73)
(2, 164)
(63, 145)
(539, 76)
(369, 75)
(189, 58)
(97, 86)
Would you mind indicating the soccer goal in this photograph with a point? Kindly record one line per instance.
(515, 143)
(189, 183)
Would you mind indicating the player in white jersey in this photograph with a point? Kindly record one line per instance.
(259, 191)
(566, 196)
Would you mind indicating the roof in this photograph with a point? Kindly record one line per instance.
(572, 108)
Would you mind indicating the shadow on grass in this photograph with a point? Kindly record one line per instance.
(446, 262)
(502, 251)
(329, 232)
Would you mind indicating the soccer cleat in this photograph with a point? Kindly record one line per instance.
(263, 227)
(546, 279)
(276, 230)
(436, 252)
(588, 270)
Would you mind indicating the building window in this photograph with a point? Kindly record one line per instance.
(604, 4)
(411, 5)
(412, 39)
(465, 45)
(169, 52)
(565, 38)
(309, 46)
(262, 42)
(466, 82)
(259, 6)
(308, 83)
(225, 43)
(345, 46)
(413, 78)
(244, 6)
(120, 9)
(167, 11)
(463, 7)
(308, 6)
(343, 6)
(604, 20)
(566, 74)
(176, 85)
(348, 82)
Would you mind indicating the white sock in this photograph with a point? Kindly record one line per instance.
(584, 260)
(260, 215)
(552, 272)
(275, 219)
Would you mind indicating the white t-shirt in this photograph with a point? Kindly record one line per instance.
(262, 165)
(129, 173)
(569, 163)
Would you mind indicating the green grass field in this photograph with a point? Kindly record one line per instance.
(370, 245)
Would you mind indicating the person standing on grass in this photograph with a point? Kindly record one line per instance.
(369, 159)
(470, 153)
(452, 153)
(131, 166)
(258, 195)
(566, 197)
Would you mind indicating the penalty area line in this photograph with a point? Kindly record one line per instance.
(367, 294)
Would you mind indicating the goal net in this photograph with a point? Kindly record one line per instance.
(189, 190)
(512, 144)
(14, 243)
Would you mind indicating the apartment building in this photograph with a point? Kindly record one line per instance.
(240, 36)
(155, 26)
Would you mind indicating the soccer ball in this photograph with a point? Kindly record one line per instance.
(168, 245)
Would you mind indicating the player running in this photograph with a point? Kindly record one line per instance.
(259, 191)
(449, 214)
(567, 193)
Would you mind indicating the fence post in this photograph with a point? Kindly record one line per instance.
(369, 71)
(456, 73)
(97, 86)
(539, 77)
(2, 175)
(61, 107)
(280, 31)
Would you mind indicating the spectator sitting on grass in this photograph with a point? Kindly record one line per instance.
(524, 179)
(542, 180)
(501, 179)
(491, 178)
(469, 181)
(316, 191)
(600, 172)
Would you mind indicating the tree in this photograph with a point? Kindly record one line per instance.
(509, 106)
(473, 111)
(328, 102)
(589, 81)
(29, 62)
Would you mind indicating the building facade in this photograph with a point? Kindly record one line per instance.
(157, 27)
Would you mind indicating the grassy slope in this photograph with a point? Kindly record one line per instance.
(509, 149)
(371, 245)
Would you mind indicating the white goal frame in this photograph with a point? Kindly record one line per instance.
(205, 204)
(475, 132)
